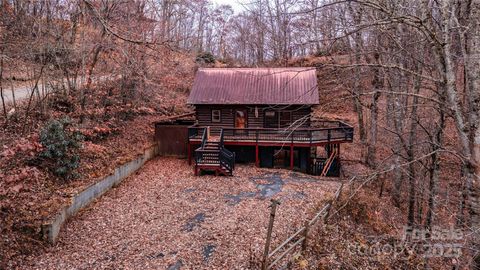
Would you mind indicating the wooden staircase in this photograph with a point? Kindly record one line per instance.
(329, 162)
(213, 156)
(325, 166)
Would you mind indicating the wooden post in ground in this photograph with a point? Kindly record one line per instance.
(257, 160)
(305, 235)
(269, 233)
(291, 157)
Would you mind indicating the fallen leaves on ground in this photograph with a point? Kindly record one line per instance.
(163, 216)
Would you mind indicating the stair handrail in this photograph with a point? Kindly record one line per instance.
(329, 162)
(199, 151)
(204, 138)
(221, 138)
(225, 156)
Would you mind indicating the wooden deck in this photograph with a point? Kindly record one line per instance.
(327, 132)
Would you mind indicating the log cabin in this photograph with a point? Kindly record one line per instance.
(261, 115)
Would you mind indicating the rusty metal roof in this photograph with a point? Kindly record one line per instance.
(254, 86)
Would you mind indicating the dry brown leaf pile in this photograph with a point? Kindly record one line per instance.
(164, 216)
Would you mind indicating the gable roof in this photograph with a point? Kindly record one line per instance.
(295, 86)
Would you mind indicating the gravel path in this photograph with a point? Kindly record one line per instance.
(24, 92)
(165, 218)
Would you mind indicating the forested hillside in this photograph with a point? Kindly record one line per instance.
(83, 81)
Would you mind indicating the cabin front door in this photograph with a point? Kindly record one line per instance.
(240, 119)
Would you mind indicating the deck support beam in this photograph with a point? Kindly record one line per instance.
(257, 160)
(291, 157)
(189, 154)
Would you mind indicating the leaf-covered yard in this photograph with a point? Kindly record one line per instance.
(164, 217)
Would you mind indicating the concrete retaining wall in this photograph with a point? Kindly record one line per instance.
(51, 229)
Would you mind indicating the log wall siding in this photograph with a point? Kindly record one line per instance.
(204, 114)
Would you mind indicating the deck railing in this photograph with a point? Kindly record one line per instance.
(337, 131)
(196, 131)
(311, 135)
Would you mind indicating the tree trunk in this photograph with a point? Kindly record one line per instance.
(83, 93)
(13, 95)
(434, 170)
(372, 140)
(411, 150)
(473, 71)
(357, 91)
(1, 86)
(468, 133)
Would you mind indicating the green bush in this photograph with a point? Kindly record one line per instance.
(61, 147)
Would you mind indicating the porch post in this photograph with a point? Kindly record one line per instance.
(309, 160)
(291, 157)
(189, 150)
(257, 160)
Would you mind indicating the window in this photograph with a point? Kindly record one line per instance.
(216, 116)
(271, 119)
(270, 114)
(275, 119)
(285, 119)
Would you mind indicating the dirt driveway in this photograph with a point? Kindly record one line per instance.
(165, 218)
